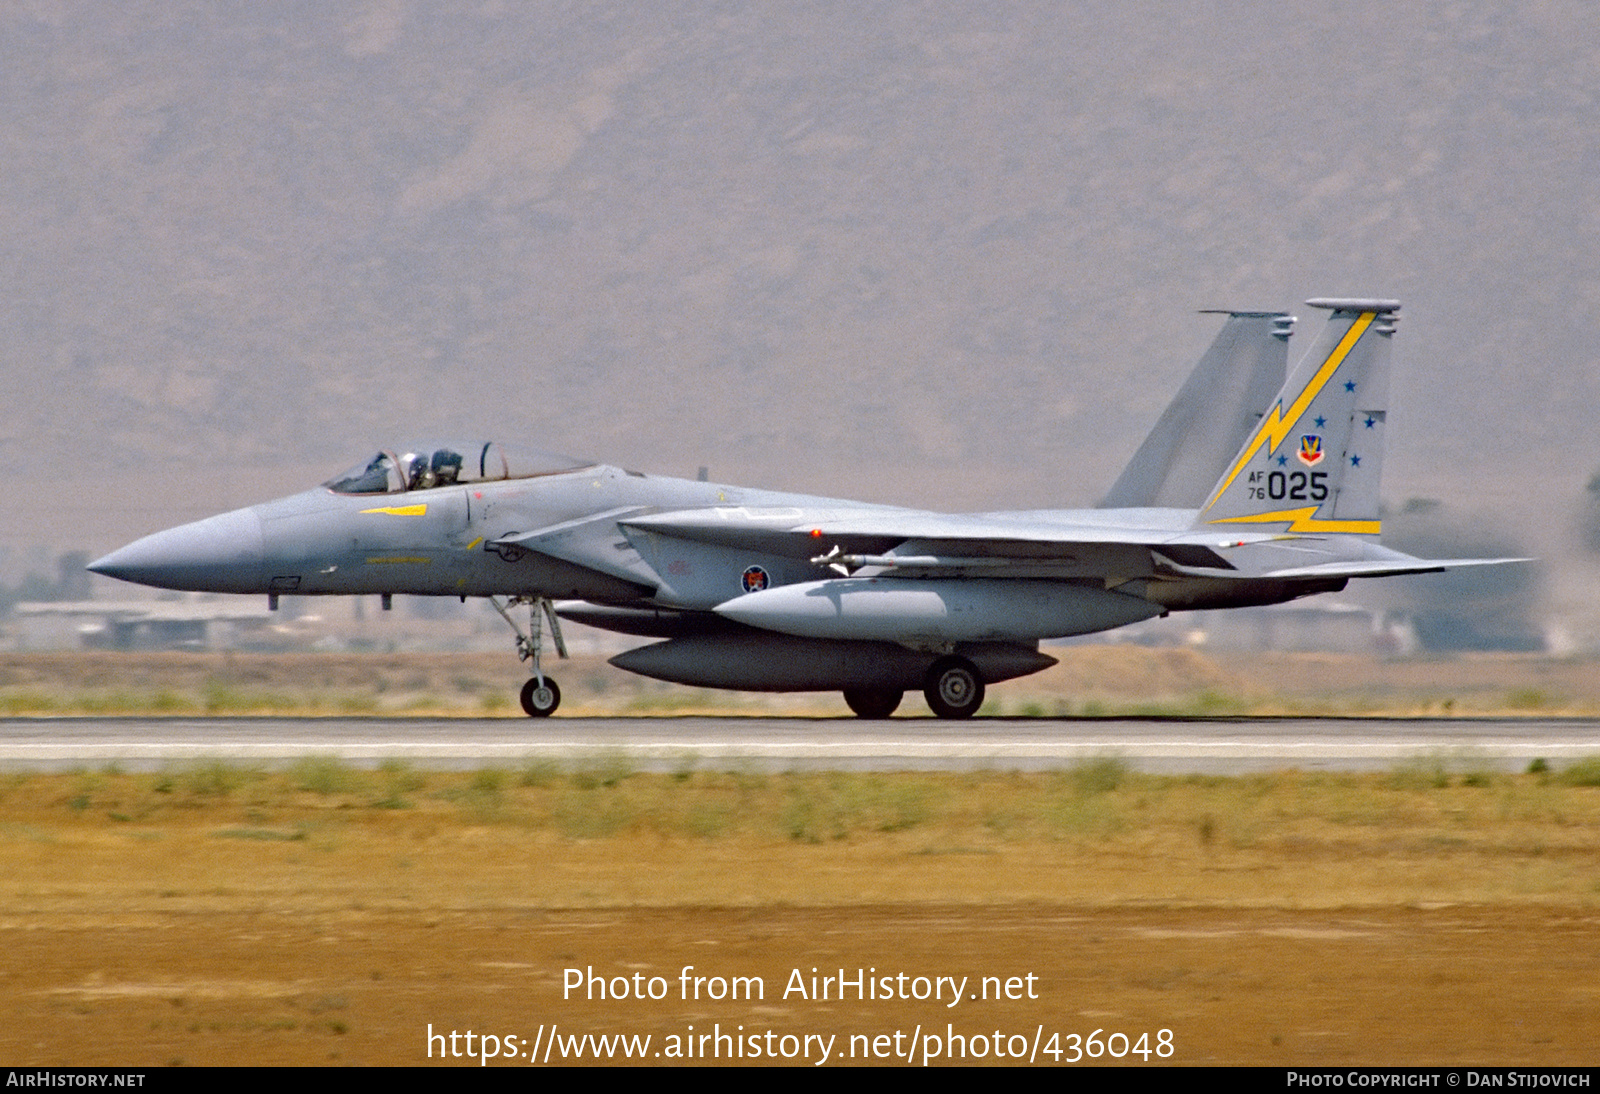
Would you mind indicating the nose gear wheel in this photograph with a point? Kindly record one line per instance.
(540, 699)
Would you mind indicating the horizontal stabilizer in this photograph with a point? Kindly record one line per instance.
(1386, 568)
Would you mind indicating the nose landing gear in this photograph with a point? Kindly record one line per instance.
(540, 696)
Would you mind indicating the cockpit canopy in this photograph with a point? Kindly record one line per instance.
(423, 467)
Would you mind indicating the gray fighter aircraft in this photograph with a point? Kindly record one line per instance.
(1223, 506)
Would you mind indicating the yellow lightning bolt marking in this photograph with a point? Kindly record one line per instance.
(401, 510)
(1279, 423)
(1300, 520)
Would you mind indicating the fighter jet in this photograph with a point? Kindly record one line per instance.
(1238, 498)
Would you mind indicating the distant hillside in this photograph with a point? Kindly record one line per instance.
(929, 252)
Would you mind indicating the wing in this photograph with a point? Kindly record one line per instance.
(1114, 546)
(1067, 545)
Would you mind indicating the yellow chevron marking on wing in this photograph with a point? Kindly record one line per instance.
(401, 510)
(1278, 422)
(1300, 520)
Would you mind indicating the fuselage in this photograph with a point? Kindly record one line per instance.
(451, 540)
(557, 535)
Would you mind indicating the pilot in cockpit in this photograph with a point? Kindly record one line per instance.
(446, 467)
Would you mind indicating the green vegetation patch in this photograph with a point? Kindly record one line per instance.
(269, 835)
(326, 775)
(1438, 805)
(1583, 773)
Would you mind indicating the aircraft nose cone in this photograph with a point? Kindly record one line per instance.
(221, 554)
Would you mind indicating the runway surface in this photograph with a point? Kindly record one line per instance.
(1205, 746)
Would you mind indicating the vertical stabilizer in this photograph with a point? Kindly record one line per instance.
(1210, 417)
(1313, 462)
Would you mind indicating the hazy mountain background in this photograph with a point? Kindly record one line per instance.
(944, 254)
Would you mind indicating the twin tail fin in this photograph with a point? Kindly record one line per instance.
(1312, 465)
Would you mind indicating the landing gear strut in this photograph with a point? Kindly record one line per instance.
(540, 695)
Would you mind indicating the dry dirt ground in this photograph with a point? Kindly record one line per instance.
(321, 915)
(214, 917)
(1455, 985)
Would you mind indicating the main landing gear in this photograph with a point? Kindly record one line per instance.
(540, 695)
(872, 702)
(953, 688)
